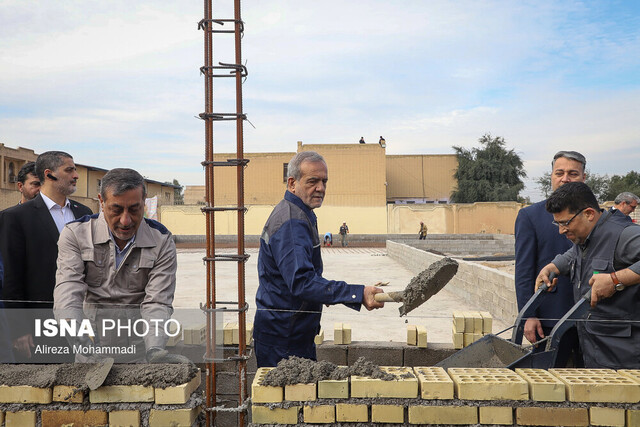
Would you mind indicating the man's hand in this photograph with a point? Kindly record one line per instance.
(543, 276)
(601, 287)
(23, 345)
(531, 327)
(368, 300)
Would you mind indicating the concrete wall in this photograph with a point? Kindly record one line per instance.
(467, 218)
(426, 177)
(489, 289)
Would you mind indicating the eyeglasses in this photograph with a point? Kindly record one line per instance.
(566, 223)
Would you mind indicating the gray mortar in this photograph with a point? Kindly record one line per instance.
(428, 283)
(296, 370)
(73, 374)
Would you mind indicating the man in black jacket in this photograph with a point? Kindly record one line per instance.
(29, 243)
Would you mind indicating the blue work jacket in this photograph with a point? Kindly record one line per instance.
(291, 288)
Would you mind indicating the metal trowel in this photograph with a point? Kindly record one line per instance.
(95, 377)
(422, 287)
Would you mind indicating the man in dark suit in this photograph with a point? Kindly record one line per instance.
(537, 243)
(29, 243)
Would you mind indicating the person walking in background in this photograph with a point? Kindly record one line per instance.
(625, 203)
(344, 230)
(423, 231)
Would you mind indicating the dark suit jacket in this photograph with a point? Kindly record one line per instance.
(537, 243)
(29, 247)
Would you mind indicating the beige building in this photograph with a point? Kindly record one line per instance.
(88, 186)
(372, 192)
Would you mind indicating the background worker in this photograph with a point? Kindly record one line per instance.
(422, 234)
(29, 244)
(344, 230)
(132, 264)
(537, 242)
(626, 203)
(28, 182)
(291, 288)
(605, 255)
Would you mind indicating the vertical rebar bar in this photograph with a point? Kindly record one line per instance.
(209, 215)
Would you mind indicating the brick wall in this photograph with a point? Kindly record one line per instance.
(488, 289)
(460, 396)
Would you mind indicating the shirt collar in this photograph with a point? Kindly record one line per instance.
(50, 203)
(126, 247)
(288, 195)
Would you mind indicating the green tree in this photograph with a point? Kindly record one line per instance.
(489, 173)
(178, 197)
(618, 184)
(599, 184)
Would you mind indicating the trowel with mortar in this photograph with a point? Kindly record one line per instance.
(95, 377)
(422, 287)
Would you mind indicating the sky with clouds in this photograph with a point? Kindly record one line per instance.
(117, 83)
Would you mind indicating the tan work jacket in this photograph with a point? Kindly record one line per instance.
(87, 281)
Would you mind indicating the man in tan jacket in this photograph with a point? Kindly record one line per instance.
(121, 267)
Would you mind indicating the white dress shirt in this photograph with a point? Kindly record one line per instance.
(61, 214)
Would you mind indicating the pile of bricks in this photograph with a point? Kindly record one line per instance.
(114, 405)
(470, 326)
(460, 396)
(417, 336)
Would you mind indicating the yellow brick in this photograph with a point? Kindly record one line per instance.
(412, 335)
(173, 417)
(124, 419)
(265, 394)
(65, 393)
(352, 413)
(467, 338)
(300, 392)
(25, 394)
(458, 321)
(333, 389)
(606, 416)
(122, 393)
(264, 415)
(477, 323)
(371, 387)
(434, 382)
(235, 334)
(387, 414)
(73, 418)
(443, 415)
(198, 334)
(248, 333)
(496, 415)
(20, 419)
(227, 334)
(1, 417)
(488, 384)
(337, 334)
(487, 322)
(533, 416)
(633, 417)
(346, 333)
(458, 340)
(476, 337)
(319, 339)
(634, 374)
(468, 322)
(543, 387)
(321, 414)
(598, 385)
(178, 394)
(422, 336)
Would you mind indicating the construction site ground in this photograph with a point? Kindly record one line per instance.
(353, 265)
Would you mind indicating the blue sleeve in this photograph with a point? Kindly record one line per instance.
(526, 258)
(293, 251)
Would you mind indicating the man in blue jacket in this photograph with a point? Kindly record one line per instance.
(291, 288)
(537, 243)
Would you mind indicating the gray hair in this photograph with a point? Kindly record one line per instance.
(626, 197)
(571, 155)
(50, 160)
(120, 180)
(293, 168)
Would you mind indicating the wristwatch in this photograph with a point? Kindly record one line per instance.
(616, 283)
